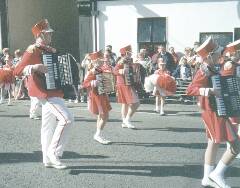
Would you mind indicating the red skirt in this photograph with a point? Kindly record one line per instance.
(126, 94)
(98, 104)
(6, 76)
(219, 129)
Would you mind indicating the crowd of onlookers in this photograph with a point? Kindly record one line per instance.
(17, 85)
(180, 65)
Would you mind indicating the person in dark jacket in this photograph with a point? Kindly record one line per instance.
(167, 57)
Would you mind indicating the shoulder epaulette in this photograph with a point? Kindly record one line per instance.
(31, 48)
(205, 70)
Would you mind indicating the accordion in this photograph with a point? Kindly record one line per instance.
(106, 83)
(59, 71)
(228, 103)
(132, 74)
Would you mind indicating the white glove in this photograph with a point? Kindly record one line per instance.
(121, 71)
(94, 83)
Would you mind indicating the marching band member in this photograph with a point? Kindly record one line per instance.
(164, 88)
(126, 94)
(56, 118)
(98, 103)
(231, 60)
(162, 85)
(218, 129)
(7, 78)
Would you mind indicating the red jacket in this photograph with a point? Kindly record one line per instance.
(32, 56)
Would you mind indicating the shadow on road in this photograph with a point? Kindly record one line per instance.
(15, 116)
(167, 145)
(175, 113)
(173, 129)
(191, 171)
(81, 119)
(36, 156)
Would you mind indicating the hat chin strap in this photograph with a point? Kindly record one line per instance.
(42, 39)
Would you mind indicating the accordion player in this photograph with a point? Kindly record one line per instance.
(59, 71)
(228, 103)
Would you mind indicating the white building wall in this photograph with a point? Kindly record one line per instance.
(117, 20)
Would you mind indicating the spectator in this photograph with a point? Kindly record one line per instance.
(183, 73)
(20, 83)
(145, 62)
(167, 57)
(183, 70)
(83, 70)
(112, 55)
(195, 46)
(18, 57)
(197, 60)
(174, 55)
(5, 53)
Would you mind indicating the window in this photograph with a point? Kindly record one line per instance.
(236, 33)
(223, 38)
(151, 32)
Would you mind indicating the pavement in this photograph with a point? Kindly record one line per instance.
(163, 152)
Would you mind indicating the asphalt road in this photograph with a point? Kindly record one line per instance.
(163, 152)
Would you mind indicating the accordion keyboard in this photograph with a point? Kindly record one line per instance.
(228, 104)
(59, 71)
(216, 81)
(51, 75)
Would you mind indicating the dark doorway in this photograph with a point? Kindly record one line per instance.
(151, 33)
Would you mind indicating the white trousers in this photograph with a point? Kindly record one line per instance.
(56, 121)
(35, 105)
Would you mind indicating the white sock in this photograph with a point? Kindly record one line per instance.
(162, 111)
(123, 119)
(98, 132)
(157, 108)
(207, 170)
(228, 145)
(127, 118)
(220, 168)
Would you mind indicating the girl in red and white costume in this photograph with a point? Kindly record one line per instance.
(218, 129)
(126, 94)
(98, 104)
(166, 86)
(7, 78)
(56, 118)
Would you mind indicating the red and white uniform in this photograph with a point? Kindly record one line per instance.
(53, 133)
(166, 85)
(218, 129)
(125, 94)
(35, 86)
(97, 104)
